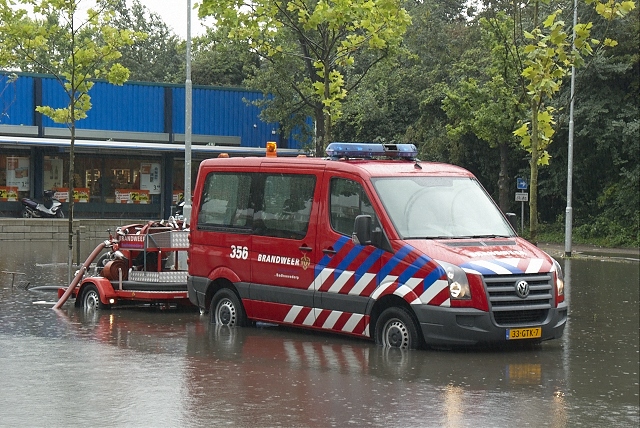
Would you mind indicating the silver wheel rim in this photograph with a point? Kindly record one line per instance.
(226, 313)
(91, 300)
(395, 334)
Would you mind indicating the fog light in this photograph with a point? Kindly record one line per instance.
(112, 301)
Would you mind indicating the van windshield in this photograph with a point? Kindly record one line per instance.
(441, 208)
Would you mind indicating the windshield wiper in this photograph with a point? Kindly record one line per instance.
(490, 236)
(434, 237)
(459, 237)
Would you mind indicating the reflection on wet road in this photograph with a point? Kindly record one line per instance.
(131, 367)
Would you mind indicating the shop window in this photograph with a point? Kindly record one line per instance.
(15, 176)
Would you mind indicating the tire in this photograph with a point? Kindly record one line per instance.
(226, 309)
(26, 213)
(59, 214)
(396, 328)
(91, 299)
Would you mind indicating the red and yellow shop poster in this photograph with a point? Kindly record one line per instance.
(8, 193)
(18, 173)
(80, 194)
(132, 196)
(52, 173)
(150, 178)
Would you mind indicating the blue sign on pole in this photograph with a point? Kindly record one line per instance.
(522, 183)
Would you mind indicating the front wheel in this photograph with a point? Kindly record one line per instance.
(59, 214)
(226, 309)
(91, 299)
(396, 328)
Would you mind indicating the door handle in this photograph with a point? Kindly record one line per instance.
(304, 248)
(329, 251)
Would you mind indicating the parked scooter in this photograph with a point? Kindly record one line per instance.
(179, 215)
(50, 207)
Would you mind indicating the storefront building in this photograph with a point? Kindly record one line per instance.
(129, 152)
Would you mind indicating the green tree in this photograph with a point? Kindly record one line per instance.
(548, 59)
(217, 60)
(486, 101)
(74, 50)
(153, 58)
(321, 36)
(606, 172)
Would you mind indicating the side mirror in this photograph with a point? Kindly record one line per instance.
(362, 230)
(513, 220)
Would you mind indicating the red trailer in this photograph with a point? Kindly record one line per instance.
(144, 264)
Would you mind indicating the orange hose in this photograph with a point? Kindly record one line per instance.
(80, 274)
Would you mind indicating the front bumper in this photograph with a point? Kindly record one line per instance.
(467, 327)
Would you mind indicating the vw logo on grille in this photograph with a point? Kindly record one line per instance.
(522, 289)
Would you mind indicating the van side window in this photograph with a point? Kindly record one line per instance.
(225, 201)
(348, 200)
(285, 208)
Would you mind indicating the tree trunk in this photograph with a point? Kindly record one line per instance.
(503, 178)
(319, 131)
(70, 196)
(533, 181)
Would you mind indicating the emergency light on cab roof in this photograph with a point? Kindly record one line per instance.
(371, 150)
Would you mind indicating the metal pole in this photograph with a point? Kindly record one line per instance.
(569, 211)
(186, 211)
(78, 246)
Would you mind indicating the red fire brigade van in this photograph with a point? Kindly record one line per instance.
(369, 242)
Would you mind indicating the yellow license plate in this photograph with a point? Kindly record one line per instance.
(524, 333)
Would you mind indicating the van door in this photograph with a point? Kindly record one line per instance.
(283, 253)
(346, 274)
(221, 236)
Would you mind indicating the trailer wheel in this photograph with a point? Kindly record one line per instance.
(226, 309)
(396, 328)
(91, 299)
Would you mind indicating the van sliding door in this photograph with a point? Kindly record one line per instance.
(283, 256)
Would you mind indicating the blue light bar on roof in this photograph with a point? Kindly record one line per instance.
(371, 150)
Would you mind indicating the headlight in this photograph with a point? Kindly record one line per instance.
(458, 283)
(559, 278)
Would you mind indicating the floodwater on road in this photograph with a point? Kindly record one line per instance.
(147, 367)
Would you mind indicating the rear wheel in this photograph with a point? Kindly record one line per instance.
(396, 328)
(91, 299)
(26, 213)
(226, 309)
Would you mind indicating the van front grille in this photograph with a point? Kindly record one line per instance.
(511, 310)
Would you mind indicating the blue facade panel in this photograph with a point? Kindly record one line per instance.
(131, 107)
(224, 112)
(140, 107)
(16, 101)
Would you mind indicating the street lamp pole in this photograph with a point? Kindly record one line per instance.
(569, 210)
(187, 125)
